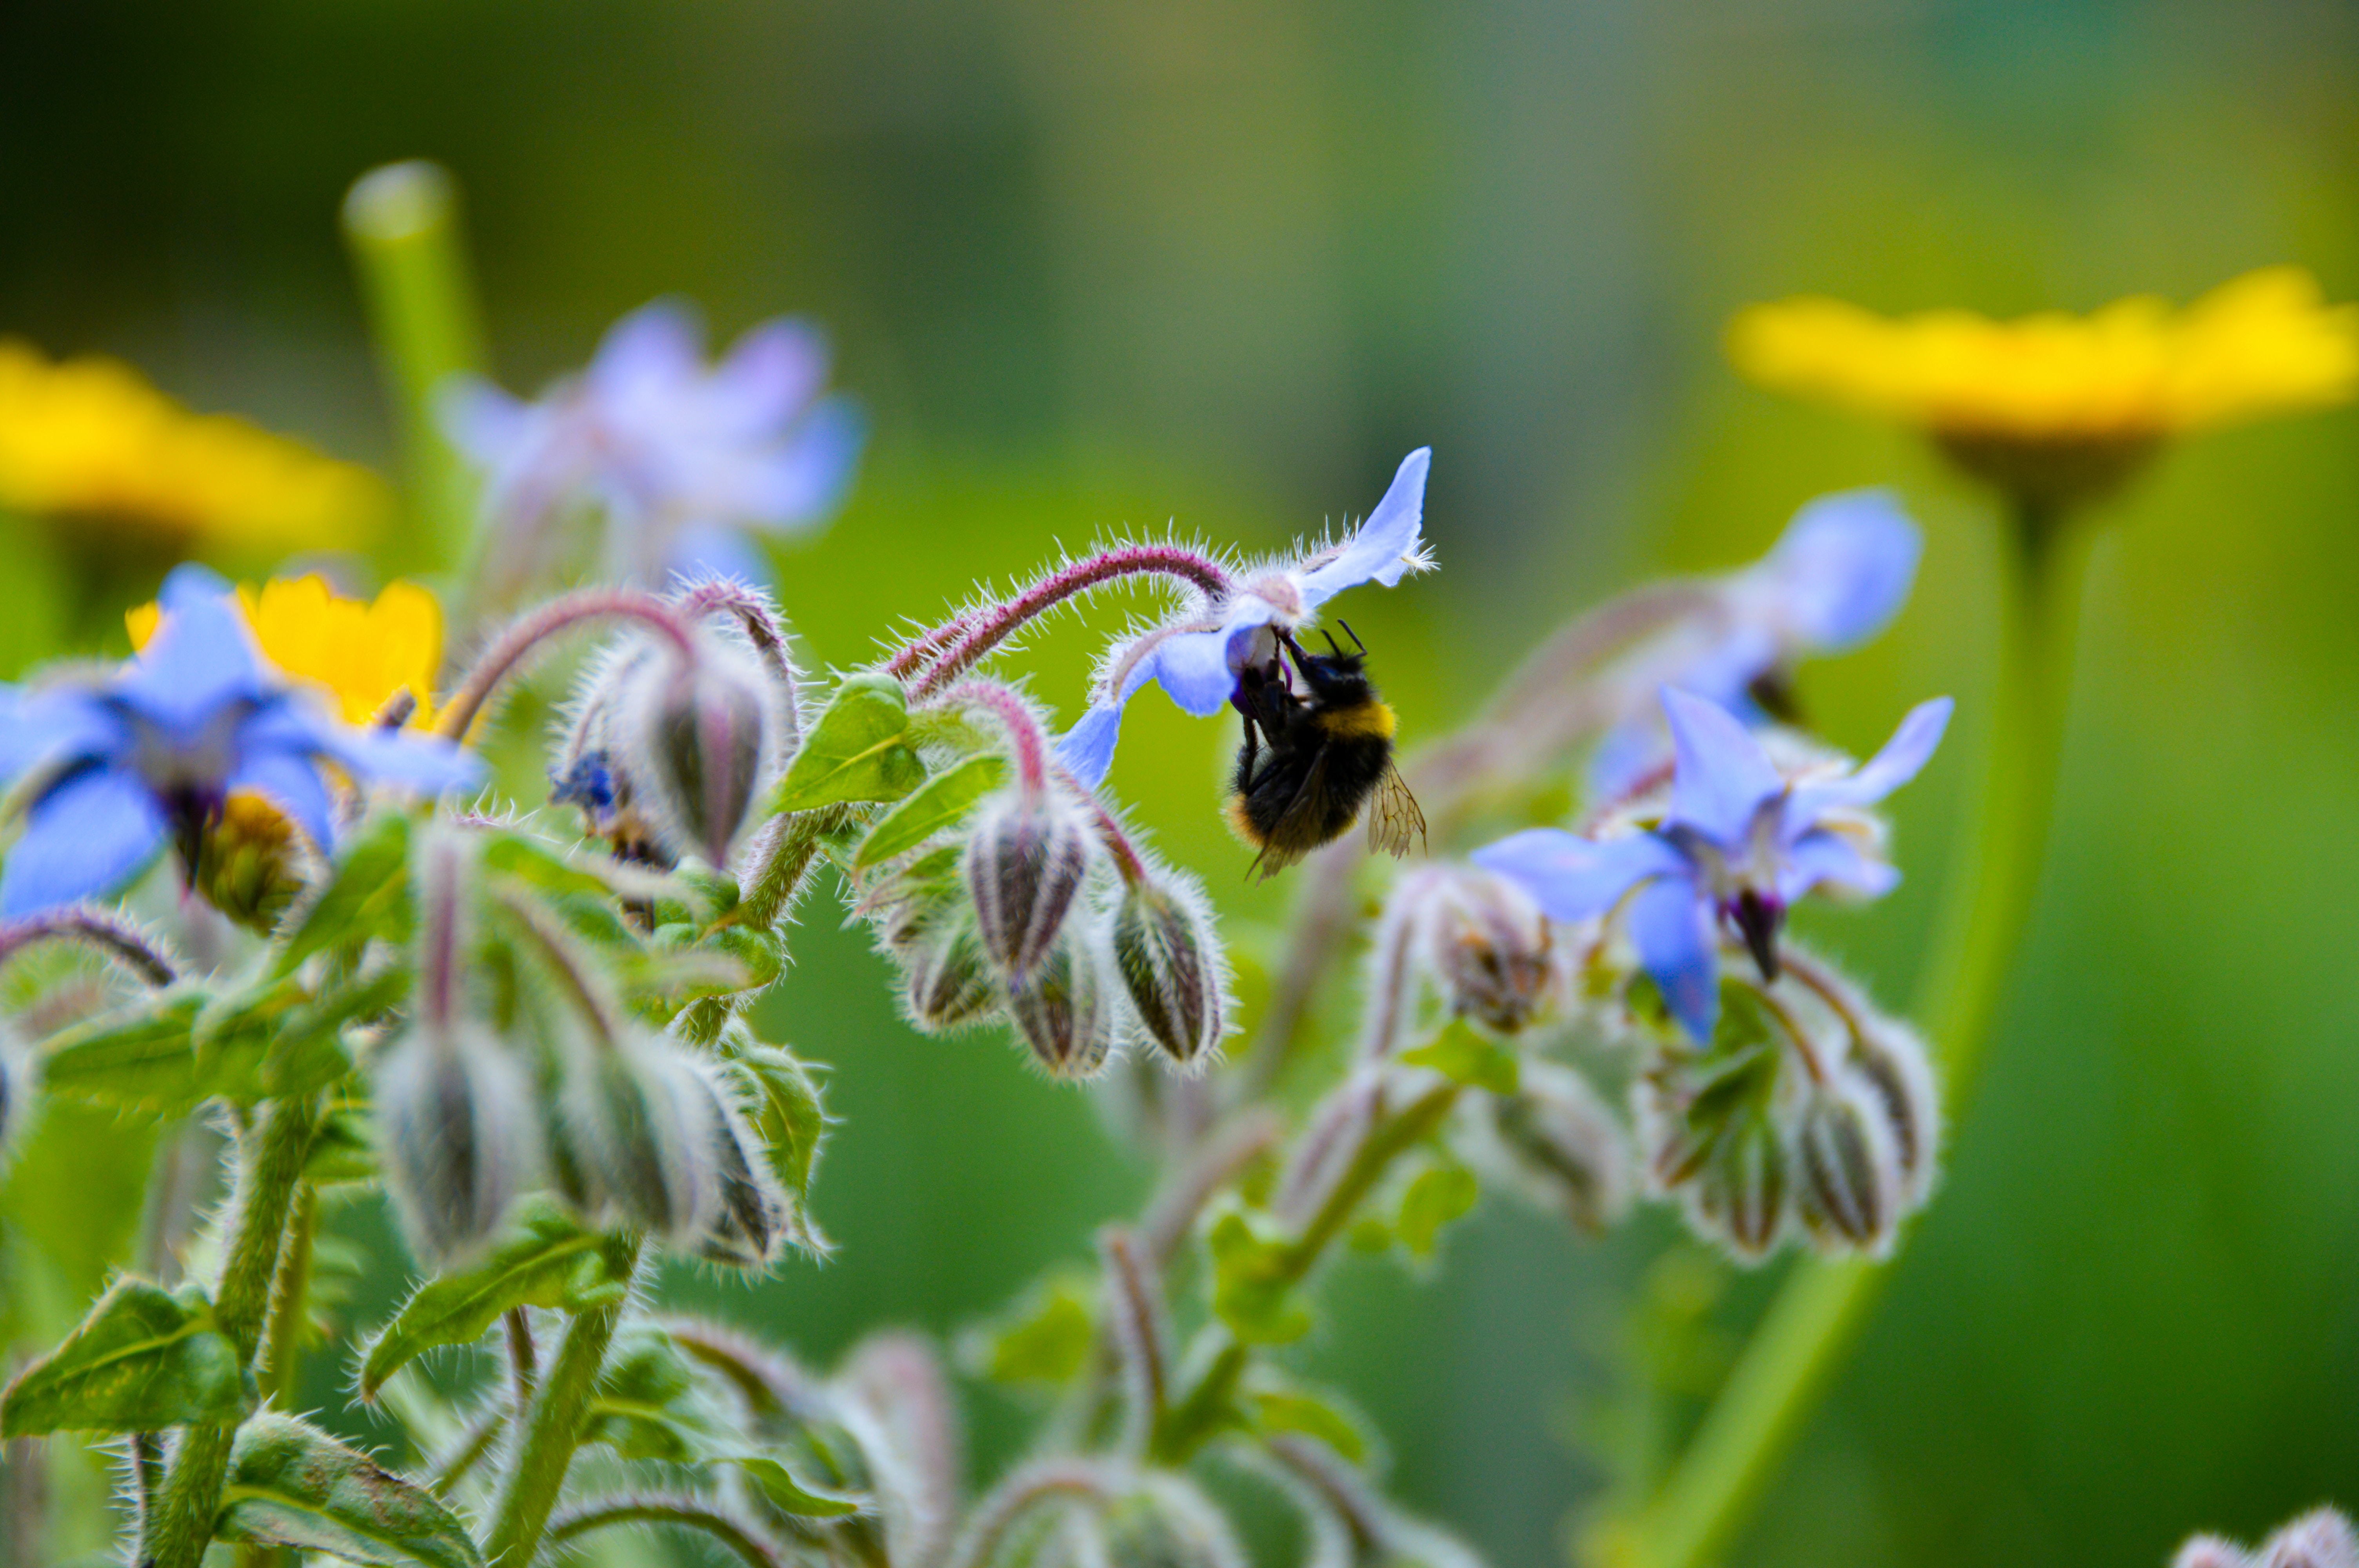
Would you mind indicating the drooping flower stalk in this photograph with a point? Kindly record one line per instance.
(110, 933)
(971, 635)
(510, 649)
(1799, 1344)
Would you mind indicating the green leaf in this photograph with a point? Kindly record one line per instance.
(789, 1496)
(859, 748)
(1439, 1195)
(646, 1406)
(342, 1150)
(792, 1123)
(1464, 1056)
(1254, 1275)
(144, 1359)
(547, 1259)
(1044, 1339)
(367, 896)
(143, 1054)
(1285, 1408)
(942, 802)
(291, 1484)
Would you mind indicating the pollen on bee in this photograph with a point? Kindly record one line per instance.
(1358, 721)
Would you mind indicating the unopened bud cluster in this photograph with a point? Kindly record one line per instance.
(1809, 1113)
(573, 1095)
(664, 753)
(2321, 1539)
(1043, 914)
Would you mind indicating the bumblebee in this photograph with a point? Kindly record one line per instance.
(1313, 760)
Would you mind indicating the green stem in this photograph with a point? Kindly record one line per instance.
(1821, 1306)
(552, 1429)
(402, 224)
(291, 1298)
(1200, 1414)
(272, 1168)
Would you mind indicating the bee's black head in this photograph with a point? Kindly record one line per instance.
(1335, 678)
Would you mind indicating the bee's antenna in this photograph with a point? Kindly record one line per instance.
(1333, 647)
(1346, 625)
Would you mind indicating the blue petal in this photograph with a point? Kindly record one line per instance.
(1387, 545)
(1823, 858)
(86, 838)
(805, 479)
(769, 373)
(657, 347)
(1846, 564)
(200, 660)
(483, 422)
(1910, 748)
(1086, 751)
(1680, 950)
(1573, 878)
(1723, 774)
(292, 783)
(61, 722)
(1193, 668)
(702, 551)
(406, 759)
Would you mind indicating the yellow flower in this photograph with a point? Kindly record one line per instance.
(360, 654)
(89, 438)
(2054, 406)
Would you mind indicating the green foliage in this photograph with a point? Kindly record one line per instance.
(791, 1122)
(145, 1358)
(858, 750)
(1464, 1055)
(547, 1260)
(1044, 1340)
(1435, 1196)
(943, 802)
(1278, 1405)
(291, 1484)
(365, 897)
(1254, 1270)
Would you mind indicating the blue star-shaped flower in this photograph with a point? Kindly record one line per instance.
(1740, 843)
(119, 763)
(1834, 580)
(1198, 662)
(680, 457)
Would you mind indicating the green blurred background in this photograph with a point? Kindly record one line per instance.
(1091, 267)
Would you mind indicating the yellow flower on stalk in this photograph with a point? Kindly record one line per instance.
(91, 439)
(2055, 407)
(361, 652)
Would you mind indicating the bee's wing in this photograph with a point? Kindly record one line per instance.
(1394, 818)
(1282, 846)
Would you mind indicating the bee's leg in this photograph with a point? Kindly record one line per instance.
(1253, 755)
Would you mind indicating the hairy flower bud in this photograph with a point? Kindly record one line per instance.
(1892, 1059)
(1024, 863)
(1063, 1011)
(750, 1218)
(1487, 945)
(1742, 1193)
(640, 1119)
(1171, 966)
(457, 1120)
(947, 983)
(251, 861)
(1555, 1140)
(1847, 1166)
(699, 740)
(2320, 1538)
(592, 771)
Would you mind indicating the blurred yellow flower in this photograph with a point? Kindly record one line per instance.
(360, 652)
(2054, 405)
(89, 438)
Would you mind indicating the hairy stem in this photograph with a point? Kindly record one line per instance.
(551, 1429)
(103, 929)
(736, 1535)
(754, 612)
(527, 631)
(783, 855)
(1819, 1308)
(271, 1166)
(291, 1298)
(989, 628)
(992, 1518)
(1023, 726)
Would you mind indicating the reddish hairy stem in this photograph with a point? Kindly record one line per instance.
(752, 611)
(1024, 732)
(113, 936)
(535, 627)
(996, 625)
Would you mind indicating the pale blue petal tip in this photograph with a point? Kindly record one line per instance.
(1086, 751)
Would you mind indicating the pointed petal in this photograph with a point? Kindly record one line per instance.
(1673, 933)
(1829, 859)
(483, 422)
(768, 375)
(200, 659)
(1910, 748)
(85, 839)
(1387, 546)
(1193, 667)
(1724, 775)
(1844, 568)
(804, 480)
(704, 551)
(405, 759)
(1573, 878)
(54, 725)
(656, 349)
(1086, 751)
(290, 782)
